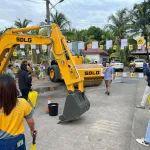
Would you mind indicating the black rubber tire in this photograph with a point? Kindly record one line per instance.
(56, 77)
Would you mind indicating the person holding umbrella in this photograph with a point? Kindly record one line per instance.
(13, 111)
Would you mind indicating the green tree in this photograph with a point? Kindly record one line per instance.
(140, 18)
(119, 24)
(22, 24)
(60, 19)
(118, 27)
(94, 33)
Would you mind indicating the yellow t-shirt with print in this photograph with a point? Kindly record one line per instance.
(13, 124)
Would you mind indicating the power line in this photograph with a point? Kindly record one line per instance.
(33, 1)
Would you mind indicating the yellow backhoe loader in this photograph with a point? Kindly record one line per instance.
(76, 102)
(92, 73)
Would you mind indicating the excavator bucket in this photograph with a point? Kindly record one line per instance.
(76, 104)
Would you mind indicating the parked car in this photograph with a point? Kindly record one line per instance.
(118, 66)
(138, 64)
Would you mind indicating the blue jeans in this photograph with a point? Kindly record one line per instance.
(14, 143)
(147, 135)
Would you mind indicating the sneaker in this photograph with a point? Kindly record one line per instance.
(140, 106)
(142, 142)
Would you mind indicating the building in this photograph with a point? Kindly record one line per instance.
(96, 55)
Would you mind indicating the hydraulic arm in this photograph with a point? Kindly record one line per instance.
(76, 102)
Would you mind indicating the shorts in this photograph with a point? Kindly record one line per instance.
(14, 143)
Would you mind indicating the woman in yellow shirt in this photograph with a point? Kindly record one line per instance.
(12, 114)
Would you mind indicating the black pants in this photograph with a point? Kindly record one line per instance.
(25, 93)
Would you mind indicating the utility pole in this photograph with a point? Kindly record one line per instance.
(47, 12)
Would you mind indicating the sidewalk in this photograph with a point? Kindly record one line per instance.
(140, 119)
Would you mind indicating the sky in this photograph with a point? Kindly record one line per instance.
(81, 13)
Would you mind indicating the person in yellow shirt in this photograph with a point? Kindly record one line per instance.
(12, 114)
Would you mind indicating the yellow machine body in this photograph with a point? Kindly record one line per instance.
(91, 73)
(76, 102)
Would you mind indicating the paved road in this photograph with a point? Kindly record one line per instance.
(106, 126)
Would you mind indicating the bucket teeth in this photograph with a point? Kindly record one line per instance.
(76, 104)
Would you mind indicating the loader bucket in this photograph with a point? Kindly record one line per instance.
(76, 104)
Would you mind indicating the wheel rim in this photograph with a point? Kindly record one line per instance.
(52, 73)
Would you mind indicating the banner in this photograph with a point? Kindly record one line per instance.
(124, 42)
(94, 44)
(130, 47)
(44, 50)
(22, 46)
(30, 52)
(70, 45)
(114, 47)
(108, 44)
(101, 47)
(81, 45)
(37, 51)
(44, 47)
(140, 41)
(23, 53)
(33, 46)
(15, 54)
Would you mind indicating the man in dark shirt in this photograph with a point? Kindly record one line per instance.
(24, 80)
(147, 89)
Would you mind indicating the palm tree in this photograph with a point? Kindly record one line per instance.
(61, 20)
(118, 27)
(119, 23)
(140, 17)
(22, 24)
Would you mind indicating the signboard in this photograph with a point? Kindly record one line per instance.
(108, 44)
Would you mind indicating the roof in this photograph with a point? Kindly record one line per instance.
(140, 52)
(96, 51)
